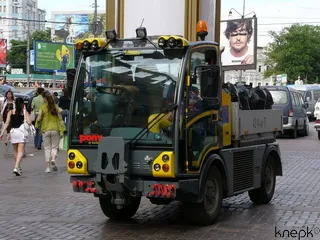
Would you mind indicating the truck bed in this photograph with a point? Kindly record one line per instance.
(255, 125)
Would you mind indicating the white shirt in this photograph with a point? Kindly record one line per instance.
(228, 59)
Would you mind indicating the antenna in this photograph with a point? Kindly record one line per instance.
(142, 22)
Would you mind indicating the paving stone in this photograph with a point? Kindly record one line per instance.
(43, 206)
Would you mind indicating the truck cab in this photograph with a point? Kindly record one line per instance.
(151, 118)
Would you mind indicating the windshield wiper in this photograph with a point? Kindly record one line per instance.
(153, 122)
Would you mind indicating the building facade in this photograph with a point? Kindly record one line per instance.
(11, 11)
(254, 76)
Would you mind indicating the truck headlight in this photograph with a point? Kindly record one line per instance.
(165, 158)
(157, 167)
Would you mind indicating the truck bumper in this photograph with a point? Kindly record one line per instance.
(175, 190)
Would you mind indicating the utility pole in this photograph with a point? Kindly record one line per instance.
(95, 29)
(28, 55)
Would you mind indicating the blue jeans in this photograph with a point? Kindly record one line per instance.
(65, 117)
(37, 137)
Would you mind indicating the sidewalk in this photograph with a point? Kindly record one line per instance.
(31, 164)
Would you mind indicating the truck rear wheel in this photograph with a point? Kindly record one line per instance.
(208, 210)
(264, 194)
(125, 213)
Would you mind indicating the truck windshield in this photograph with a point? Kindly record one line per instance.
(117, 93)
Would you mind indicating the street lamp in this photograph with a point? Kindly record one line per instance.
(243, 13)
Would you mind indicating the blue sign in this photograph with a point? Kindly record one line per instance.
(31, 57)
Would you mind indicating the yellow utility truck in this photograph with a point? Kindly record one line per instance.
(150, 117)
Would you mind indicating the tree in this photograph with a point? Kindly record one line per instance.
(41, 35)
(17, 55)
(295, 51)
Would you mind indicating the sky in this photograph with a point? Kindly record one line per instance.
(271, 14)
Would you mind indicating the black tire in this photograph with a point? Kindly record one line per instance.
(125, 213)
(318, 135)
(264, 194)
(208, 210)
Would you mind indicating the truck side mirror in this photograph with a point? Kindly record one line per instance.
(71, 73)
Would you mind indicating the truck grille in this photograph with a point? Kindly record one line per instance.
(242, 170)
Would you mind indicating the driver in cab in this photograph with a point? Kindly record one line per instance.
(195, 101)
(194, 108)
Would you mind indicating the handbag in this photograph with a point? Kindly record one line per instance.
(63, 143)
(28, 130)
(32, 130)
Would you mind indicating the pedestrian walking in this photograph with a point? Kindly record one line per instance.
(8, 105)
(52, 128)
(19, 121)
(35, 106)
(64, 104)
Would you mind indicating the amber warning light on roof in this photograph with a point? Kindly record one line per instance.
(202, 29)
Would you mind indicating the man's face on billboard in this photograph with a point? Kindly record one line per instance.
(239, 40)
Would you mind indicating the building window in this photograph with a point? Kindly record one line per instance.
(259, 69)
(4, 8)
(0, 8)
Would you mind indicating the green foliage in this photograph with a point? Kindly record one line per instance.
(41, 35)
(295, 51)
(17, 55)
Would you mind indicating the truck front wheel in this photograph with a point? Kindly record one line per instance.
(264, 194)
(125, 213)
(208, 210)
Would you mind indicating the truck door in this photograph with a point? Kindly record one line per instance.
(201, 115)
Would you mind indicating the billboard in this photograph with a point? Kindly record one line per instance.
(3, 53)
(239, 37)
(70, 27)
(51, 57)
